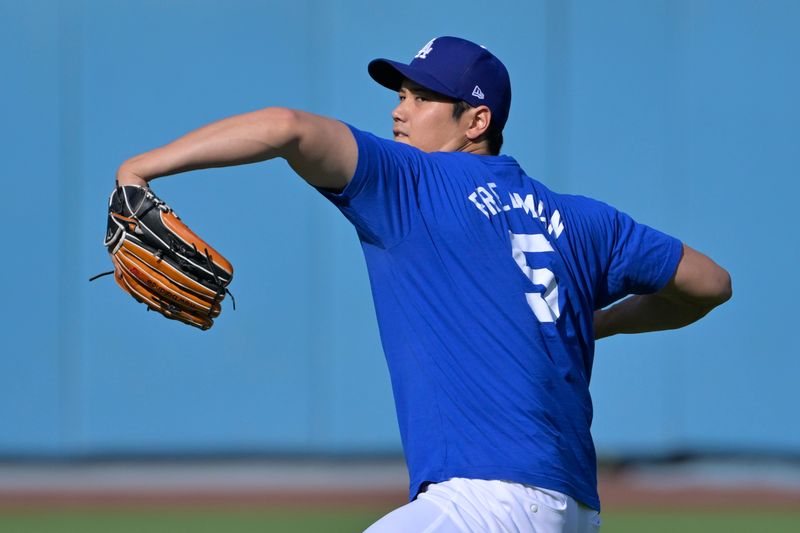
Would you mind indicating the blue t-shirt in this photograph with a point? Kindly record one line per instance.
(485, 283)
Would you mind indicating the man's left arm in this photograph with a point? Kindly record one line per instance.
(321, 150)
(698, 286)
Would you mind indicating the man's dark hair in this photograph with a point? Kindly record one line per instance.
(494, 134)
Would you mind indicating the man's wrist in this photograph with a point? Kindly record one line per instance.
(600, 324)
(126, 176)
(604, 322)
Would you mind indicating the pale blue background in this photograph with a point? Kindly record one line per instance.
(683, 113)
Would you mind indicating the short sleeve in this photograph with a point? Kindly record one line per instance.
(641, 260)
(380, 199)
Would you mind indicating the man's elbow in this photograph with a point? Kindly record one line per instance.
(720, 289)
(280, 126)
(701, 282)
(726, 291)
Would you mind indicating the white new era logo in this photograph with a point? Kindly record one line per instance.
(477, 93)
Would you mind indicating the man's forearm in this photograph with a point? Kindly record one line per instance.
(698, 286)
(237, 140)
(642, 313)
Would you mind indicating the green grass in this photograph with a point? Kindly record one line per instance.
(730, 521)
(347, 521)
(185, 520)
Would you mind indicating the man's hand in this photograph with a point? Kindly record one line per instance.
(698, 286)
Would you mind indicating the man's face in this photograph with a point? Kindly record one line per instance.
(424, 119)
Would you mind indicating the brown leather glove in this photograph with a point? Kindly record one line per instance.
(161, 262)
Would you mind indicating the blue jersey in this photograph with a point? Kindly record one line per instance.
(485, 283)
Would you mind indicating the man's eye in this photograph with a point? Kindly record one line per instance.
(421, 99)
(401, 97)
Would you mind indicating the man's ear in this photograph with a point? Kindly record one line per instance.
(481, 117)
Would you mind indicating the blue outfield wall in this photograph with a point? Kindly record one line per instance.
(683, 113)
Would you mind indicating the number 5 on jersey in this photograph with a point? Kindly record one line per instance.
(543, 304)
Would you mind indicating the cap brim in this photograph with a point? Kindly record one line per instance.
(391, 74)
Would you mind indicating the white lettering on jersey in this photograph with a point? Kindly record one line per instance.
(543, 304)
(528, 205)
(555, 226)
(492, 187)
(488, 200)
(491, 205)
(474, 199)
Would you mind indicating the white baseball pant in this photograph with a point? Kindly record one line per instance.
(475, 505)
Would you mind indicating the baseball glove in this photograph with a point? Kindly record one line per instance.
(161, 262)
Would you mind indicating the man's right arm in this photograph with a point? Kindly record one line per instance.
(322, 151)
(698, 286)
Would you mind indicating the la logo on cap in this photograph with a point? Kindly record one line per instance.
(422, 54)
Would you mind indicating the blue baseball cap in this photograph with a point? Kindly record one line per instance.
(455, 68)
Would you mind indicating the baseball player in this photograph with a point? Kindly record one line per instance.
(490, 289)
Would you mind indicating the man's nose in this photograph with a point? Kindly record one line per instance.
(397, 113)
